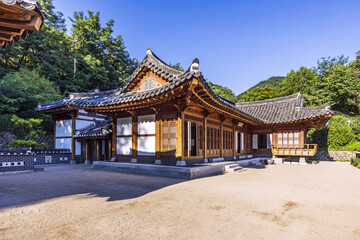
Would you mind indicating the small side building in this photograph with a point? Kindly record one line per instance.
(165, 116)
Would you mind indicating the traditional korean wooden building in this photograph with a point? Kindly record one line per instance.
(165, 116)
(18, 19)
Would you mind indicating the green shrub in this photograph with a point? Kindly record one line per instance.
(339, 134)
(355, 162)
(22, 144)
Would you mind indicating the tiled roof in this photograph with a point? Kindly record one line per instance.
(282, 110)
(97, 129)
(279, 110)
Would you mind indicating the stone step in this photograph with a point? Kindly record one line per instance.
(233, 168)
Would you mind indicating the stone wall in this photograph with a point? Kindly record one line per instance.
(52, 156)
(8, 137)
(14, 160)
(334, 155)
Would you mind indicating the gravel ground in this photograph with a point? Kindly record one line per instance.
(278, 202)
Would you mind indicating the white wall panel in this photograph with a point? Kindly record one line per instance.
(146, 124)
(61, 143)
(77, 148)
(269, 141)
(236, 141)
(124, 126)
(124, 145)
(255, 141)
(146, 146)
(63, 128)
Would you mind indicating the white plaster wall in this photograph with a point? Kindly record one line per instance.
(124, 145)
(236, 141)
(124, 126)
(255, 141)
(63, 128)
(146, 146)
(269, 141)
(77, 148)
(63, 143)
(146, 124)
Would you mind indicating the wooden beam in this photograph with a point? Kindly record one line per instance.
(33, 25)
(17, 17)
(6, 37)
(12, 31)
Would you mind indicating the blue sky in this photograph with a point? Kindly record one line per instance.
(238, 43)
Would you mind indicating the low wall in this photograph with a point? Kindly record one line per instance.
(334, 155)
(52, 156)
(16, 160)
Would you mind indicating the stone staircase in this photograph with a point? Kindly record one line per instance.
(233, 167)
(256, 163)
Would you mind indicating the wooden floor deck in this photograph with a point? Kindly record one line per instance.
(305, 150)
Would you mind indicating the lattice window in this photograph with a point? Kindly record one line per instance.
(169, 136)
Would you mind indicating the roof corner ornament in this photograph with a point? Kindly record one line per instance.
(195, 65)
(327, 108)
(148, 51)
(297, 109)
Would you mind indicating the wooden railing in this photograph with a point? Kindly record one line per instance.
(300, 150)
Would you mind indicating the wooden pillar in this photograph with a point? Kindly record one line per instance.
(222, 137)
(98, 149)
(87, 150)
(205, 138)
(180, 147)
(234, 147)
(109, 149)
(114, 139)
(134, 136)
(73, 141)
(158, 138)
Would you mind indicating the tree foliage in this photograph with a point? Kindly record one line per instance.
(222, 91)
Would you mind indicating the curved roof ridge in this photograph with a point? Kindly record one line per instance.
(295, 96)
(152, 54)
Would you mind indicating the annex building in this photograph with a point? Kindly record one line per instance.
(165, 116)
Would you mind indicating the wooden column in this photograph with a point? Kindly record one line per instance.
(98, 149)
(109, 149)
(205, 139)
(222, 137)
(114, 134)
(234, 140)
(158, 139)
(134, 136)
(87, 150)
(179, 137)
(73, 141)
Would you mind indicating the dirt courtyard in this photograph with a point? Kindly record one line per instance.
(278, 202)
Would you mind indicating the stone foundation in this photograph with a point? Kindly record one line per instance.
(334, 155)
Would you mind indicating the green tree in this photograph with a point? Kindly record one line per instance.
(20, 92)
(222, 91)
(101, 58)
(176, 66)
(344, 90)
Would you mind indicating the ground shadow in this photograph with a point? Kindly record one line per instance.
(67, 180)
